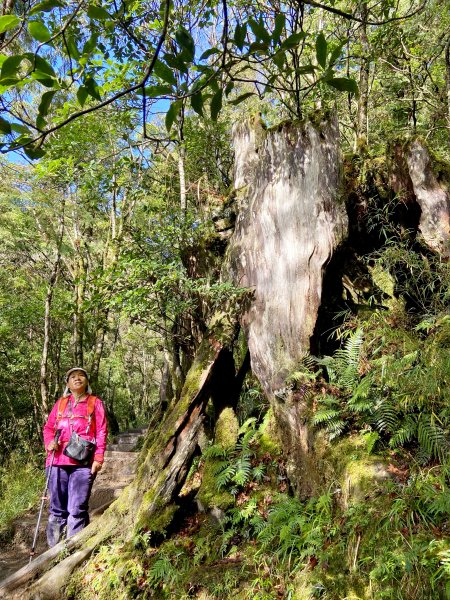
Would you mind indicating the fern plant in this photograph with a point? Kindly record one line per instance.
(234, 467)
(403, 393)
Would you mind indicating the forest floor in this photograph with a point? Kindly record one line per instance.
(118, 471)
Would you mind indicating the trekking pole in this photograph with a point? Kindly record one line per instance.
(44, 495)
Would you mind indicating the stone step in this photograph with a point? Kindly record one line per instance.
(123, 447)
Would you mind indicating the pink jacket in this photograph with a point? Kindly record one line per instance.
(98, 429)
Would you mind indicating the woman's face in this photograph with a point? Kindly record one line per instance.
(77, 382)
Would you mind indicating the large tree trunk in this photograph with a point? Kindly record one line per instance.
(416, 178)
(289, 222)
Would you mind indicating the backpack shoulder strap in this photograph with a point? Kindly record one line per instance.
(62, 403)
(91, 405)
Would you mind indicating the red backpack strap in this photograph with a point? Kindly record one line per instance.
(62, 404)
(91, 405)
(90, 411)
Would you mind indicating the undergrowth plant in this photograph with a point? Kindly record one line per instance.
(235, 467)
(396, 385)
(21, 484)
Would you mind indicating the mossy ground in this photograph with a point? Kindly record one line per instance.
(385, 542)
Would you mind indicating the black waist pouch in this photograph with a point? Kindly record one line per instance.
(80, 449)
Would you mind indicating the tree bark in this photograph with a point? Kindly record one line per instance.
(47, 320)
(361, 135)
(447, 83)
(289, 222)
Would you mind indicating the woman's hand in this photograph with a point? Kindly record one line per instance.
(53, 445)
(96, 467)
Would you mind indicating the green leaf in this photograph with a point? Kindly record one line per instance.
(40, 64)
(176, 62)
(259, 47)
(197, 103)
(92, 88)
(10, 67)
(8, 22)
(43, 78)
(5, 126)
(19, 128)
(33, 152)
(293, 40)
(72, 47)
(97, 13)
(209, 53)
(41, 123)
(229, 88)
(39, 31)
(155, 91)
(336, 53)
(321, 50)
(280, 22)
(344, 84)
(91, 44)
(306, 70)
(45, 6)
(240, 34)
(184, 39)
(172, 114)
(164, 72)
(241, 98)
(82, 95)
(279, 58)
(216, 105)
(259, 30)
(45, 102)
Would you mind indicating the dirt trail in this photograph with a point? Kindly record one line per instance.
(118, 471)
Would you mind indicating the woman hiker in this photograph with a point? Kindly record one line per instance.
(77, 414)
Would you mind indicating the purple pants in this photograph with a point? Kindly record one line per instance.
(69, 488)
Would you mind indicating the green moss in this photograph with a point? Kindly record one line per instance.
(347, 463)
(269, 441)
(227, 428)
(154, 515)
(226, 435)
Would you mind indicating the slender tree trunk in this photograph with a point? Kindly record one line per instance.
(99, 345)
(78, 317)
(47, 320)
(361, 136)
(182, 176)
(165, 388)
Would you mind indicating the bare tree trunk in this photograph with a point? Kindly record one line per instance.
(78, 317)
(361, 136)
(181, 162)
(47, 319)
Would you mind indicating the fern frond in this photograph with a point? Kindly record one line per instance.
(325, 415)
(161, 571)
(258, 472)
(242, 471)
(430, 436)
(405, 433)
(386, 417)
(215, 451)
(247, 425)
(225, 476)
